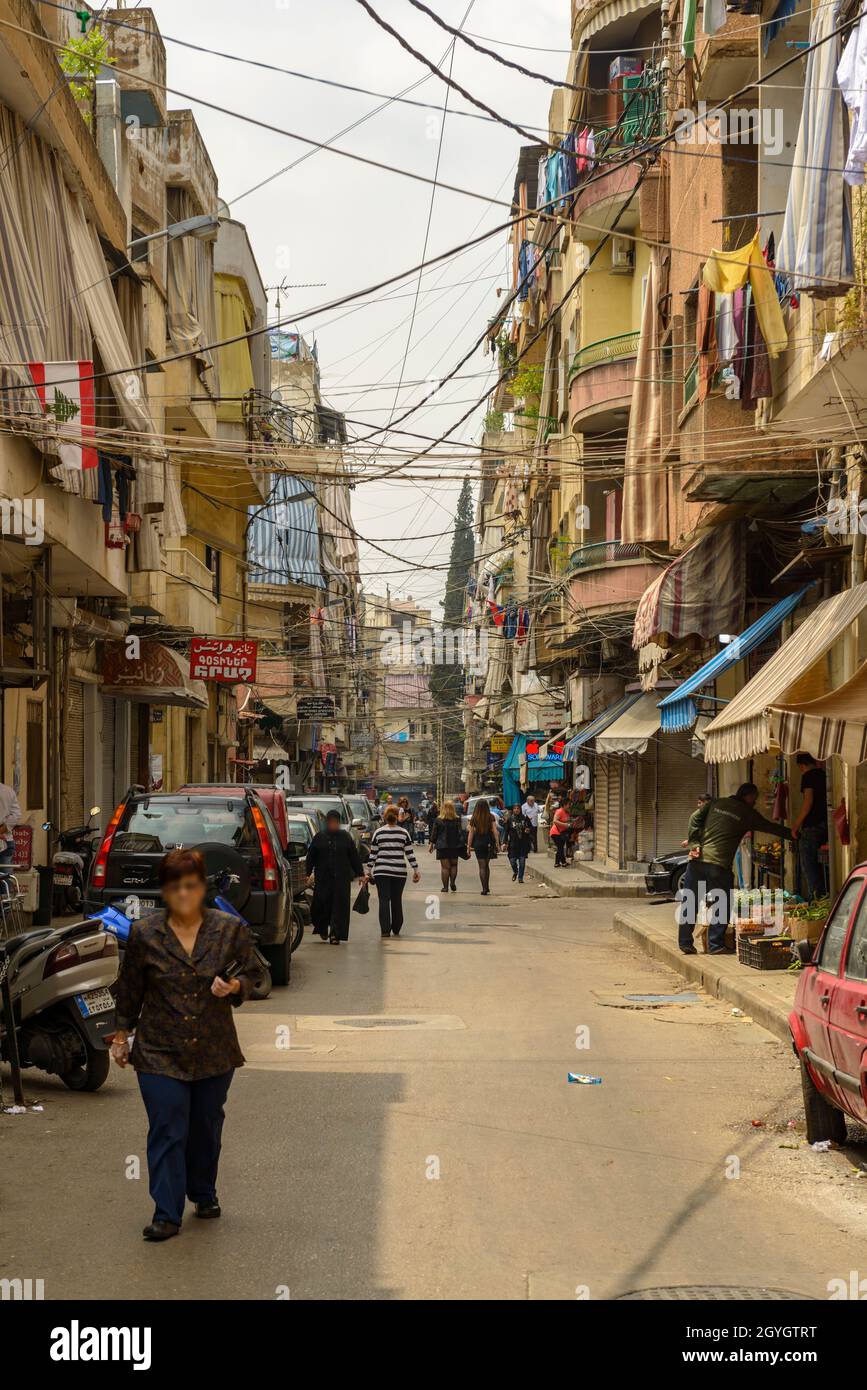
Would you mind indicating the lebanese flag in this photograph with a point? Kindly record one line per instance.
(65, 390)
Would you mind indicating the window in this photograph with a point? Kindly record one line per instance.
(856, 961)
(34, 754)
(838, 925)
(212, 562)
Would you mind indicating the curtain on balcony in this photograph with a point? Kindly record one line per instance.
(700, 594)
(645, 492)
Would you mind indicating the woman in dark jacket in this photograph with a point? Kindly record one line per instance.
(183, 970)
(333, 862)
(519, 841)
(447, 838)
(484, 842)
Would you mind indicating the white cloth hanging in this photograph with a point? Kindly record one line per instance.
(852, 78)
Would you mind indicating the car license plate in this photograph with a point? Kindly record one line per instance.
(62, 878)
(95, 1001)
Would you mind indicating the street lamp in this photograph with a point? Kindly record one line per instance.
(204, 228)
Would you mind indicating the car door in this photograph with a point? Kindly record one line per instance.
(819, 987)
(848, 1014)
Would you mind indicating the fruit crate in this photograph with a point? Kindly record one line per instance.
(765, 952)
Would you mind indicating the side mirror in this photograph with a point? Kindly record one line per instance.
(357, 822)
(95, 810)
(805, 951)
(46, 825)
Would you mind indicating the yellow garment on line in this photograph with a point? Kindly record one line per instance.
(727, 271)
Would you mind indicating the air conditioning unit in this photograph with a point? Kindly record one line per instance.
(622, 256)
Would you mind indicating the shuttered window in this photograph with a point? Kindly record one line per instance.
(72, 771)
(35, 756)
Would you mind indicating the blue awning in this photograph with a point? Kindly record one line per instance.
(600, 724)
(678, 709)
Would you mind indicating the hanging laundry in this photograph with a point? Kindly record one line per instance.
(739, 324)
(526, 269)
(510, 621)
(523, 624)
(726, 341)
(714, 16)
(687, 41)
(852, 77)
(497, 613)
(778, 20)
(757, 369)
(726, 271)
(816, 240)
(708, 361)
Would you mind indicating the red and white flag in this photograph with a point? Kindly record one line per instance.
(65, 390)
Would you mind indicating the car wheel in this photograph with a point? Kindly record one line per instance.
(279, 960)
(824, 1120)
(297, 927)
(677, 880)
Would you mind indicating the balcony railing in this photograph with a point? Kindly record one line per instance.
(603, 553)
(605, 350)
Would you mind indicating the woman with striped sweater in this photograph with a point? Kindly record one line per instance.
(390, 848)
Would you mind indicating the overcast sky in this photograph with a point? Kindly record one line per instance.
(331, 219)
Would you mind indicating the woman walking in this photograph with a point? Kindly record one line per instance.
(560, 831)
(484, 842)
(519, 842)
(447, 838)
(333, 861)
(183, 970)
(390, 849)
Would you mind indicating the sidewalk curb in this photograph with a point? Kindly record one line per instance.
(570, 886)
(750, 990)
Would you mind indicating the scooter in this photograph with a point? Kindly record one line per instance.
(58, 985)
(228, 878)
(71, 864)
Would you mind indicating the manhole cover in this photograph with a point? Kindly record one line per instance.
(714, 1293)
(375, 1022)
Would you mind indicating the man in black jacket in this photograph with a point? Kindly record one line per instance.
(333, 862)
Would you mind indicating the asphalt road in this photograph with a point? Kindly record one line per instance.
(418, 1138)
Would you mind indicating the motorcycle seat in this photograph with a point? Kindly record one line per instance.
(13, 944)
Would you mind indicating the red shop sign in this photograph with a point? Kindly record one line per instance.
(223, 659)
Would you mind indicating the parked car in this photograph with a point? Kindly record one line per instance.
(145, 826)
(324, 804)
(274, 799)
(829, 1020)
(364, 817)
(665, 875)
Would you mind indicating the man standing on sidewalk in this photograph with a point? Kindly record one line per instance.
(715, 831)
(811, 827)
(530, 809)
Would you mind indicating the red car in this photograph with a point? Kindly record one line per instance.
(829, 1020)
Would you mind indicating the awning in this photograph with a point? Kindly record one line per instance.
(610, 13)
(678, 709)
(158, 676)
(743, 727)
(598, 725)
(562, 737)
(632, 732)
(834, 725)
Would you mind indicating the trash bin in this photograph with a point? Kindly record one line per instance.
(42, 915)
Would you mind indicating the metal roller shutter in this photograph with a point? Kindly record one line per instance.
(107, 797)
(615, 811)
(72, 772)
(134, 745)
(600, 809)
(682, 779)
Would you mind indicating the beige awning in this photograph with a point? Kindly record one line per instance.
(157, 676)
(795, 671)
(632, 732)
(609, 13)
(834, 725)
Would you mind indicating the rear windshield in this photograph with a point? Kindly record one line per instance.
(154, 827)
(323, 805)
(299, 834)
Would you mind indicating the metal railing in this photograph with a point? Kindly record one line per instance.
(603, 553)
(605, 350)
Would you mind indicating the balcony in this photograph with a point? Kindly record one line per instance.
(600, 384)
(190, 604)
(605, 587)
(135, 47)
(729, 61)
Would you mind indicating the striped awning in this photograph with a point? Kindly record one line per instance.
(743, 728)
(834, 725)
(609, 13)
(678, 709)
(283, 544)
(598, 725)
(632, 732)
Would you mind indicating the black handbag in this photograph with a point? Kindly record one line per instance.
(362, 902)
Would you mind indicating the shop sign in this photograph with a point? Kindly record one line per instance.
(555, 750)
(223, 659)
(501, 743)
(315, 708)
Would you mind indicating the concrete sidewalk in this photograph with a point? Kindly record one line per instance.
(584, 879)
(765, 995)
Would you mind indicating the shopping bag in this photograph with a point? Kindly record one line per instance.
(362, 902)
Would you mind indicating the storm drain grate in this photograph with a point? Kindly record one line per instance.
(376, 1022)
(713, 1293)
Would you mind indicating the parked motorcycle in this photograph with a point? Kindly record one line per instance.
(71, 864)
(228, 883)
(59, 984)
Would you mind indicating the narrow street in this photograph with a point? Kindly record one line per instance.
(448, 1050)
